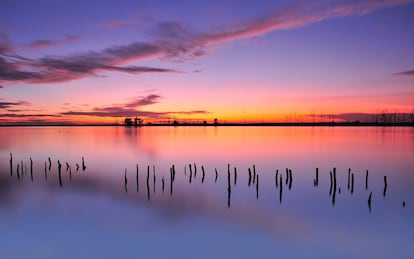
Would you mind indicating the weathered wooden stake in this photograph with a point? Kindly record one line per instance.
(185, 170)
(349, 177)
(172, 179)
(83, 164)
(18, 174)
(277, 172)
(67, 166)
(11, 164)
(369, 201)
(148, 187)
(126, 181)
(316, 182)
(330, 188)
(290, 179)
(250, 177)
(334, 187)
(77, 167)
(235, 175)
(215, 180)
(385, 186)
(31, 169)
(60, 173)
(281, 188)
(50, 163)
(403, 204)
(366, 180)
(202, 178)
(162, 182)
(352, 183)
(153, 172)
(254, 173)
(195, 170)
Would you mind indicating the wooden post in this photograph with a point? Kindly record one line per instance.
(31, 169)
(369, 201)
(172, 179)
(316, 182)
(250, 177)
(162, 182)
(277, 172)
(215, 180)
(254, 173)
(366, 180)
(349, 176)
(352, 183)
(18, 174)
(77, 167)
(67, 166)
(195, 170)
(235, 175)
(334, 187)
(228, 187)
(385, 186)
(83, 164)
(148, 188)
(281, 188)
(11, 164)
(60, 173)
(50, 163)
(126, 181)
(153, 172)
(290, 179)
(330, 189)
(257, 186)
(185, 170)
(202, 178)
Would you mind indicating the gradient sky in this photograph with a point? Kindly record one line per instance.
(96, 61)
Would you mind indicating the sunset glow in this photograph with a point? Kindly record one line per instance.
(86, 62)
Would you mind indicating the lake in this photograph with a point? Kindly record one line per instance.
(243, 211)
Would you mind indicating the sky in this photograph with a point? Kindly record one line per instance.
(237, 61)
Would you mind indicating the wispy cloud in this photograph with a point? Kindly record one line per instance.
(299, 15)
(42, 44)
(405, 73)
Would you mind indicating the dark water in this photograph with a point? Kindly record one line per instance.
(91, 213)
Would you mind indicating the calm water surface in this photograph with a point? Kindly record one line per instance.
(93, 214)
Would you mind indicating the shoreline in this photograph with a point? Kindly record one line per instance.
(262, 124)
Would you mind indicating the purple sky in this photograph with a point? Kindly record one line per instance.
(94, 61)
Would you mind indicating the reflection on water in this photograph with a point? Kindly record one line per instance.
(207, 192)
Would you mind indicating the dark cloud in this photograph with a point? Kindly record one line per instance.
(13, 115)
(405, 73)
(51, 69)
(6, 105)
(41, 44)
(141, 101)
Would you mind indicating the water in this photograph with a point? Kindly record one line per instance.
(94, 215)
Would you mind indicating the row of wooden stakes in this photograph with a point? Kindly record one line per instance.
(253, 178)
